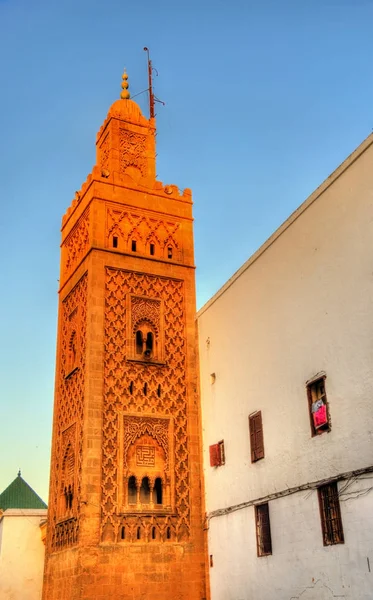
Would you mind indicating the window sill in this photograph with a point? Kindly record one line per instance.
(149, 361)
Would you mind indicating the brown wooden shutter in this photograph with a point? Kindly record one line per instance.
(256, 436)
(214, 455)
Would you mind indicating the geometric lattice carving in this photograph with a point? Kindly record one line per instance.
(135, 427)
(104, 153)
(145, 456)
(76, 244)
(68, 418)
(124, 393)
(132, 150)
(144, 309)
(128, 226)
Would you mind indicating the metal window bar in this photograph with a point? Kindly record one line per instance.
(331, 515)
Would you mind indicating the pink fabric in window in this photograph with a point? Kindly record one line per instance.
(320, 417)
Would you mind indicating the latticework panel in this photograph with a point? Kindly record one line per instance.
(69, 415)
(124, 393)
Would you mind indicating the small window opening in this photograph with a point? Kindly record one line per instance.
(138, 533)
(115, 241)
(330, 512)
(153, 533)
(168, 533)
(159, 390)
(157, 492)
(169, 252)
(318, 407)
(145, 491)
(145, 388)
(123, 533)
(263, 530)
(149, 344)
(132, 490)
(139, 339)
(133, 246)
(152, 248)
(211, 560)
(130, 388)
(69, 497)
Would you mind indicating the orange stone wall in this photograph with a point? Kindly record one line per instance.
(126, 495)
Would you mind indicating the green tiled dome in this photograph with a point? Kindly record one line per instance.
(20, 495)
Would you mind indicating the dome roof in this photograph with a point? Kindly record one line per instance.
(127, 110)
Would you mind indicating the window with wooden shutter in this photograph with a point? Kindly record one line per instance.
(256, 436)
(217, 454)
(263, 530)
(330, 512)
(318, 406)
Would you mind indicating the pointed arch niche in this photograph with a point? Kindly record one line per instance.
(148, 481)
(145, 327)
(67, 478)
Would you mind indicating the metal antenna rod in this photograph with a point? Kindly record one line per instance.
(151, 94)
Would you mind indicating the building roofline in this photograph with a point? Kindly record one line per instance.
(290, 220)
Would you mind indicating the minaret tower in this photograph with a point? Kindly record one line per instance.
(126, 494)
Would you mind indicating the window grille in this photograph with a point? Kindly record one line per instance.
(330, 512)
(263, 530)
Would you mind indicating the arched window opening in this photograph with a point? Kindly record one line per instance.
(145, 388)
(133, 246)
(149, 344)
(138, 533)
(169, 252)
(132, 491)
(115, 241)
(159, 390)
(139, 339)
(153, 533)
(152, 249)
(157, 492)
(145, 491)
(123, 533)
(69, 496)
(130, 388)
(168, 533)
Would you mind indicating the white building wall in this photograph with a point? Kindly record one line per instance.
(303, 304)
(21, 554)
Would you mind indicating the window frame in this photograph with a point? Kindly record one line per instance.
(256, 449)
(310, 386)
(261, 549)
(331, 526)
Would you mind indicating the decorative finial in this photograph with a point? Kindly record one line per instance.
(125, 95)
(19, 473)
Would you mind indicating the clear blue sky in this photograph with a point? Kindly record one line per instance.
(263, 101)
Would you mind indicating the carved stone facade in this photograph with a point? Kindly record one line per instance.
(155, 237)
(64, 510)
(132, 151)
(75, 245)
(139, 388)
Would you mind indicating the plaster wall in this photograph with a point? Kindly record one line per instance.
(300, 566)
(300, 306)
(21, 555)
